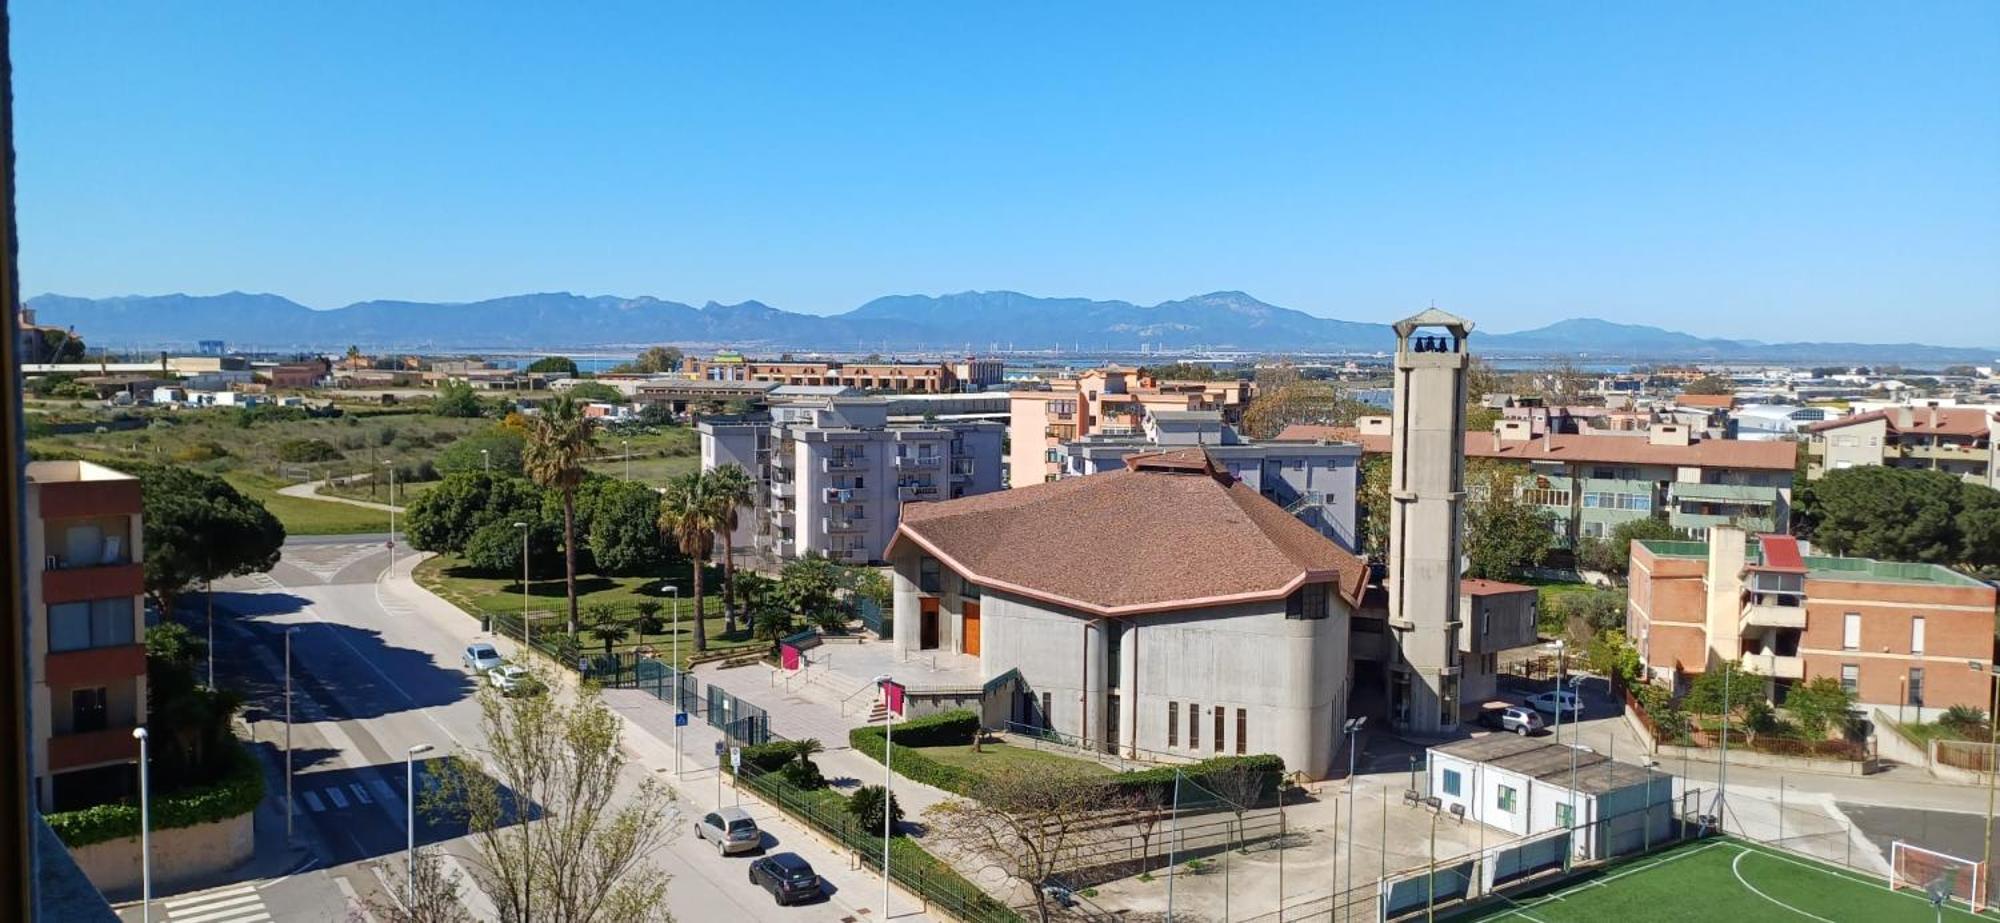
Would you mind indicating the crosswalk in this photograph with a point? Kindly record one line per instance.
(327, 561)
(336, 796)
(241, 904)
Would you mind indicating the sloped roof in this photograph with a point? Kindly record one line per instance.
(1477, 586)
(1166, 533)
(1618, 449)
(1706, 401)
(1940, 421)
(1314, 432)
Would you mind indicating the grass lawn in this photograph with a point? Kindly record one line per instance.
(998, 757)
(1721, 879)
(448, 577)
(405, 491)
(658, 453)
(307, 517)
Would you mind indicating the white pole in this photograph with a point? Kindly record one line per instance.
(392, 514)
(678, 710)
(209, 592)
(288, 735)
(410, 817)
(1173, 836)
(486, 460)
(627, 443)
(524, 583)
(888, 780)
(145, 832)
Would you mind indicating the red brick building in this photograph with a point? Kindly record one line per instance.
(1917, 636)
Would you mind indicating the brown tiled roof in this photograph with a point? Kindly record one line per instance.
(1938, 421)
(1477, 586)
(1314, 432)
(1130, 542)
(1630, 450)
(1708, 401)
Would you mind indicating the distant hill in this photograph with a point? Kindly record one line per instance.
(978, 321)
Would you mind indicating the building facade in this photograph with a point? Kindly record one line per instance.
(87, 670)
(1896, 635)
(834, 475)
(1526, 786)
(892, 377)
(1112, 401)
(1955, 440)
(1164, 611)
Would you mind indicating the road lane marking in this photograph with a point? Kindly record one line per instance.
(339, 800)
(313, 802)
(208, 897)
(360, 794)
(383, 792)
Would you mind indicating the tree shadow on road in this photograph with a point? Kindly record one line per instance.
(345, 672)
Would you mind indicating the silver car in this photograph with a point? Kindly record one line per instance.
(732, 830)
(480, 657)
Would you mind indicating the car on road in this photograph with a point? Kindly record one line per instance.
(481, 657)
(787, 876)
(732, 830)
(1518, 719)
(512, 679)
(1562, 701)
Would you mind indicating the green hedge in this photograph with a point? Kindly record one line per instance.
(1202, 774)
(236, 793)
(945, 729)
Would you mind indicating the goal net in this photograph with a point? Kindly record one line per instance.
(1938, 875)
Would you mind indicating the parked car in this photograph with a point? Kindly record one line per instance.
(1519, 719)
(512, 679)
(481, 657)
(787, 876)
(1562, 700)
(732, 830)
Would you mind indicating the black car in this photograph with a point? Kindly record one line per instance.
(788, 877)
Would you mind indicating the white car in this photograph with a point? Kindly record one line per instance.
(1561, 702)
(481, 657)
(512, 679)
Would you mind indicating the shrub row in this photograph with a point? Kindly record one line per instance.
(237, 792)
(1161, 778)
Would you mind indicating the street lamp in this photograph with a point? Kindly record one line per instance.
(883, 682)
(486, 461)
(627, 444)
(145, 832)
(392, 513)
(679, 706)
(525, 637)
(410, 815)
(289, 811)
(1992, 751)
(1350, 728)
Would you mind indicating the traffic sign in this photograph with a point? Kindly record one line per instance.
(718, 749)
(680, 719)
(736, 757)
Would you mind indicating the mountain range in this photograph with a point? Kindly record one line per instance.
(975, 321)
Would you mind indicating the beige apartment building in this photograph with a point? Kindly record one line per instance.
(87, 669)
(1955, 440)
(969, 374)
(1111, 401)
(1916, 636)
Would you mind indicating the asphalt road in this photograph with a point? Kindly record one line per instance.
(372, 678)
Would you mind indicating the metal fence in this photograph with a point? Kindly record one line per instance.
(1964, 754)
(874, 619)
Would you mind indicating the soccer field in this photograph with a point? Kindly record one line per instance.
(1722, 879)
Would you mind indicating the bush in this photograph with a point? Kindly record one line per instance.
(769, 757)
(236, 793)
(1963, 720)
(913, 764)
(199, 452)
(307, 450)
(1202, 774)
(866, 806)
(803, 773)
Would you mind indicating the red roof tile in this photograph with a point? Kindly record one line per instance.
(1313, 432)
(1130, 542)
(1477, 586)
(1629, 449)
(1940, 421)
(1781, 552)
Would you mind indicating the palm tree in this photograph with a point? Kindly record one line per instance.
(559, 439)
(732, 490)
(687, 515)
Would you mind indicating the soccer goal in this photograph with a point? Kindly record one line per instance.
(1943, 877)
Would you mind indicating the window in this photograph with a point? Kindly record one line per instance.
(1506, 798)
(1448, 693)
(99, 623)
(1219, 711)
(1307, 602)
(1048, 721)
(1850, 632)
(929, 575)
(1452, 781)
(1173, 724)
(1917, 635)
(1850, 678)
(968, 590)
(1565, 816)
(1194, 726)
(1243, 726)
(1916, 691)
(88, 710)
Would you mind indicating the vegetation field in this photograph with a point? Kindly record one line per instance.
(1722, 880)
(1000, 757)
(449, 577)
(307, 517)
(657, 453)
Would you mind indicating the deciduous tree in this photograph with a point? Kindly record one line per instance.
(1504, 534)
(1027, 822)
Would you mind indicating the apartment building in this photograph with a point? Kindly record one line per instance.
(896, 377)
(1592, 482)
(1164, 609)
(1315, 481)
(1917, 636)
(1955, 440)
(1111, 401)
(834, 475)
(87, 670)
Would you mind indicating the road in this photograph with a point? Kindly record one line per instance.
(375, 672)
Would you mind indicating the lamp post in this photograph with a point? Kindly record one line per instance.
(410, 816)
(1173, 846)
(1350, 728)
(288, 735)
(391, 463)
(486, 461)
(1992, 751)
(524, 583)
(145, 831)
(627, 444)
(883, 682)
(678, 704)
(208, 591)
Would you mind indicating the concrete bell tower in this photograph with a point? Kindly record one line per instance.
(1426, 520)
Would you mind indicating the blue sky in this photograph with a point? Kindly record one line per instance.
(1772, 170)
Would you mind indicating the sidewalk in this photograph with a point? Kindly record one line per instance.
(309, 490)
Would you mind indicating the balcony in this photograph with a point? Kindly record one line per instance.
(919, 461)
(833, 524)
(1764, 615)
(840, 495)
(94, 666)
(1774, 665)
(844, 462)
(91, 748)
(1946, 452)
(101, 581)
(917, 491)
(785, 489)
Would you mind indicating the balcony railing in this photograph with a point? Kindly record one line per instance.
(845, 462)
(840, 495)
(1764, 615)
(90, 748)
(1776, 666)
(841, 524)
(919, 461)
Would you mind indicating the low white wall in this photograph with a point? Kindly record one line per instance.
(180, 854)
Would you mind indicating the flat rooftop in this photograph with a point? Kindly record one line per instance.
(63, 472)
(1550, 762)
(1830, 567)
